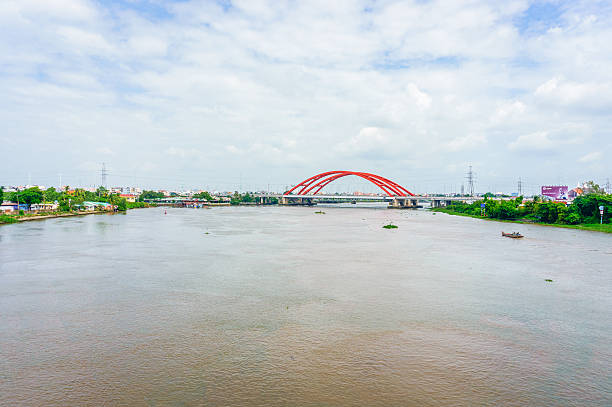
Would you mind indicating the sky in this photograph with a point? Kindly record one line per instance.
(259, 95)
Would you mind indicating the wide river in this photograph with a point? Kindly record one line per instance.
(279, 306)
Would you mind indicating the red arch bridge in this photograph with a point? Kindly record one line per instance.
(308, 192)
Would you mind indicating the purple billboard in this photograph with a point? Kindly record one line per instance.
(556, 192)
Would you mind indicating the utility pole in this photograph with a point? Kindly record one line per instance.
(60, 180)
(520, 187)
(462, 190)
(103, 174)
(470, 181)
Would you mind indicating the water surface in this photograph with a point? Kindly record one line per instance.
(271, 306)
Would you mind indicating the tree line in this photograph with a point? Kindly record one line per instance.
(584, 209)
(67, 201)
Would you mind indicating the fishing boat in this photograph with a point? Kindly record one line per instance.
(513, 235)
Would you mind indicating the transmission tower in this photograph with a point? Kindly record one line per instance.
(470, 181)
(520, 187)
(608, 186)
(103, 174)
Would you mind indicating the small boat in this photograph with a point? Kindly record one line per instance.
(513, 235)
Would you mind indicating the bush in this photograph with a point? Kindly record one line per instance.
(132, 205)
(7, 219)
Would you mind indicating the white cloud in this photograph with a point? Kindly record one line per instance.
(591, 157)
(85, 41)
(404, 87)
(538, 141)
(105, 150)
(148, 46)
(466, 142)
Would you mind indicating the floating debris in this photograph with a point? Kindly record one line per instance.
(390, 226)
(548, 280)
(320, 212)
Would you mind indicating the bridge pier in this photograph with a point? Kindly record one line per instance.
(293, 201)
(404, 203)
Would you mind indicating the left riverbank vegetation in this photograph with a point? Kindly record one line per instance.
(34, 202)
(582, 213)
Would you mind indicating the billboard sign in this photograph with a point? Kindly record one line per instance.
(556, 192)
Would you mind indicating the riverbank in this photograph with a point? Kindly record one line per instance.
(594, 227)
(8, 219)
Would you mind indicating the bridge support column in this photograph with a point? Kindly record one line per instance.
(404, 203)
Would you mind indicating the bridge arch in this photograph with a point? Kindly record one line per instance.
(312, 185)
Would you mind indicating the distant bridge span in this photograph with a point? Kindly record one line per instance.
(314, 184)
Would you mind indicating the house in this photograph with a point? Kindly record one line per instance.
(92, 206)
(129, 197)
(7, 207)
(575, 192)
(44, 207)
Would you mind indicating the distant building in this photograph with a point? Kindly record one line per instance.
(575, 192)
(44, 207)
(129, 197)
(12, 207)
(91, 206)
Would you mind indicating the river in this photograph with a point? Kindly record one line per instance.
(279, 306)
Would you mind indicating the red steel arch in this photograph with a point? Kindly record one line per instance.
(317, 182)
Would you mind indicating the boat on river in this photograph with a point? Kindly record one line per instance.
(513, 235)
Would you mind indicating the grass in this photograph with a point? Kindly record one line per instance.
(7, 219)
(594, 227)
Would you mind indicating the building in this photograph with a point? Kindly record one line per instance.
(92, 206)
(129, 197)
(575, 192)
(44, 206)
(7, 207)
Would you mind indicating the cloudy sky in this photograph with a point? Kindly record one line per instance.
(221, 94)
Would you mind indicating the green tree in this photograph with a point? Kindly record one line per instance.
(50, 195)
(150, 195)
(247, 198)
(122, 204)
(236, 199)
(31, 196)
(65, 202)
(507, 210)
(591, 187)
(204, 195)
(101, 191)
(548, 212)
(1, 194)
